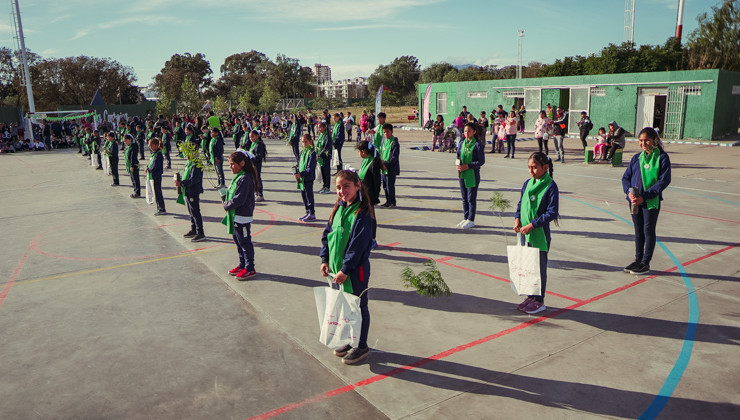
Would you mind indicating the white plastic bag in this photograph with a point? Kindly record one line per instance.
(94, 160)
(149, 190)
(524, 269)
(334, 159)
(108, 170)
(339, 315)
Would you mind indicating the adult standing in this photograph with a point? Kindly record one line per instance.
(614, 140)
(522, 114)
(648, 174)
(584, 127)
(482, 128)
(541, 128)
(558, 131)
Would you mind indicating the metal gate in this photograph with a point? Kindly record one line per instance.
(579, 101)
(675, 109)
(533, 104)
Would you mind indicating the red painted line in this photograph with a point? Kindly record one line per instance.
(393, 244)
(14, 276)
(443, 259)
(662, 210)
(454, 350)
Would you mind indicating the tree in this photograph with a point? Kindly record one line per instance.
(189, 102)
(178, 67)
(12, 93)
(269, 99)
(288, 78)
(164, 104)
(436, 72)
(220, 105)
(715, 44)
(245, 101)
(74, 81)
(400, 76)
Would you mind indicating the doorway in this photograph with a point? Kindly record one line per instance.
(651, 107)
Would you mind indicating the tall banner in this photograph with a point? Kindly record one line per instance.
(425, 106)
(378, 98)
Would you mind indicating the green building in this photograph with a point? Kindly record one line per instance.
(700, 104)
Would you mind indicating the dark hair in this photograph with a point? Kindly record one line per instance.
(602, 129)
(156, 141)
(542, 159)
(380, 114)
(308, 137)
(652, 135)
(239, 157)
(474, 128)
(367, 146)
(257, 133)
(111, 134)
(365, 204)
(388, 126)
(322, 124)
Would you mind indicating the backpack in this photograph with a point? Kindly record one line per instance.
(589, 126)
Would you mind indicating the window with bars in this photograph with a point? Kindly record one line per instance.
(691, 90)
(478, 95)
(513, 93)
(598, 91)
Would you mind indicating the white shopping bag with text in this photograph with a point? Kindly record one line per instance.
(334, 159)
(340, 319)
(524, 269)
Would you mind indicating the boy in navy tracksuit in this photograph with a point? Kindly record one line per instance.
(305, 176)
(323, 156)
(154, 170)
(216, 153)
(254, 144)
(191, 187)
(390, 153)
(337, 138)
(141, 140)
(130, 154)
(112, 152)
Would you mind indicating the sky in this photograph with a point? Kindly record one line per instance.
(353, 37)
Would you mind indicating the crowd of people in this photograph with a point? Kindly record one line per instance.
(317, 141)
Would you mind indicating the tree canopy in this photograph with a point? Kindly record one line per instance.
(715, 44)
(178, 67)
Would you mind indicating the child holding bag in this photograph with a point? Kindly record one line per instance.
(190, 186)
(538, 206)
(345, 252)
(154, 171)
(239, 206)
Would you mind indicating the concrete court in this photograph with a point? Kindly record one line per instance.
(107, 312)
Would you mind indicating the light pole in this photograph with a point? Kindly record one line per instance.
(520, 34)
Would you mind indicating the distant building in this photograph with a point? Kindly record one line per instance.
(322, 73)
(345, 89)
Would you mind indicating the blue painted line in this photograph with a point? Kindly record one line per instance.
(671, 382)
(705, 196)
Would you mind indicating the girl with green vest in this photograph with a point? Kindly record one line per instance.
(648, 174)
(239, 206)
(470, 157)
(324, 148)
(538, 206)
(257, 148)
(305, 175)
(345, 252)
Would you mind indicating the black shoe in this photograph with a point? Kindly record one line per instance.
(356, 355)
(391, 206)
(160, 213)
(190, 234)
(342, 351)
(114, 184)
(198, 238)
(385, 204)
(631, 267)
(135, 195)
(641, 269)
(99, 168)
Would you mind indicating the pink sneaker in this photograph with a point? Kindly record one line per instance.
(524, 304)
(535, 307)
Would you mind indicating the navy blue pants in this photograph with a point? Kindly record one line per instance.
(244, 245)
(158, 197)
(196, 219)
(307, 196)
(389, 187)
(296, 152)
(543, 276)
(469, 198)
(338, 148)
(219, 167)
(326, 172)
(510, 144)
(645, 221)
(135, 179)
(114, 170)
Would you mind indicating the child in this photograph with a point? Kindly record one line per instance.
(111, 151)
(390, 153)
(600, 144)
(337, 139)
(470, 157)
(239, 206)
(130, 156)
(155, 169)
(191, 186)
(166, 138)
(538, 206)
(305, 175)
(141, 140)
(323, 157)
(370, 175)
(96, 149)
(257, 148)
(345, 252)
(216, 153)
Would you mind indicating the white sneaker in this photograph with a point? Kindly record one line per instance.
(461, 222)
(468, 224)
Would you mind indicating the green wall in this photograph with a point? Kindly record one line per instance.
(709, 115)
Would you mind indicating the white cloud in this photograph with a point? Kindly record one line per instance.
(81, 33)
(5, 28)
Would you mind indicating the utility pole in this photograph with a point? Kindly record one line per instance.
(24, 58)
(629, 21)
(520, 34)
(679, 23)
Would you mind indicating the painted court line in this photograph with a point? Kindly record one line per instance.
(454, 350)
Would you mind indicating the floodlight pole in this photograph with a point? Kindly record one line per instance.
(520, 33)
(24, 58)
(679, 22)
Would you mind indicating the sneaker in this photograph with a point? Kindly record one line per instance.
(386, 205)
(342, 351)
(524, 304)
(245, 274)
(234, 271)
(391, 206)
(631, 267)
(641, 269)
(190, 234)
(309, 218)
(135, 195)
(355, 355)
(468, 224)
(160, 213)
(114, 184)
(506, 157)
(198, 238)
(99, 168)
(303, 217)
(461, 222)
(259, 198)
(534, 306)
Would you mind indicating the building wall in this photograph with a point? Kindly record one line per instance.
(620, 102)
